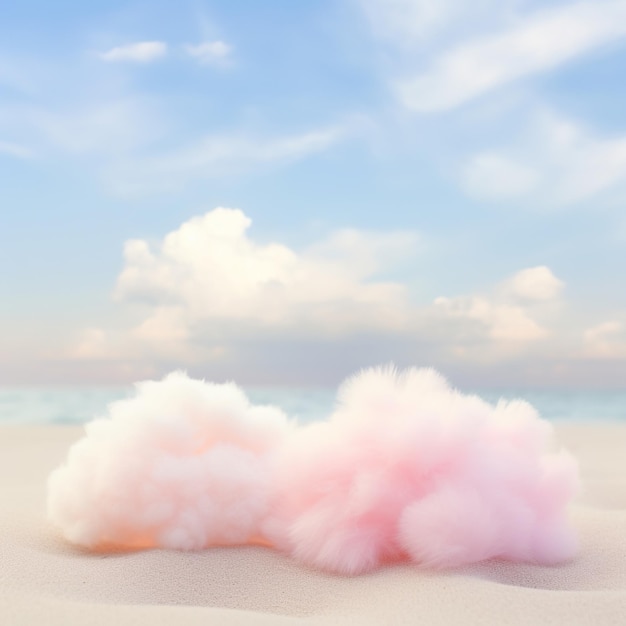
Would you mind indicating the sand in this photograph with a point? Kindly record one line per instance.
(45, 581)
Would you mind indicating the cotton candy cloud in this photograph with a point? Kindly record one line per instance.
(183, 464)
(405, 469)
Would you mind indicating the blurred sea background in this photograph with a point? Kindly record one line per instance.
(75, 405)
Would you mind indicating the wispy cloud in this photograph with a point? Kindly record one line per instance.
(537, 43)
(216, 53)
(15, 150)
(108, 128)
(18, 76)
(406, 22)
(217, 155)
(555, 162)
(140, 52)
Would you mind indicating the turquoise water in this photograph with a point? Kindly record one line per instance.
(74, 405)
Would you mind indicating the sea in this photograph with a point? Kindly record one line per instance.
(76, 405)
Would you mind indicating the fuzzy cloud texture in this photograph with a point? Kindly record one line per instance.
(406, 468)
(189, 458)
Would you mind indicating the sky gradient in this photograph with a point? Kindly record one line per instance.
(285, 192)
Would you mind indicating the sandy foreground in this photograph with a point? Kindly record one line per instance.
(45, 581)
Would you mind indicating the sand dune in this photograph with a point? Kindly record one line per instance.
(44, 580)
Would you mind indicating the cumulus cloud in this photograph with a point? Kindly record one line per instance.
(536, 43)
(406, 468)
(606, 340)
(140, 52)
(534, 283)
(506, 320)
(210, 52)
(497, 321)
(555, 163)
(208, 289)
(210, 269)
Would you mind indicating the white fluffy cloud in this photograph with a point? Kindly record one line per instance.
(606, 340)
(534, 283)
(536, 43)
(555, 162)
(210, 52)
(210, 269)
(209, 283)
(140, 52)
(504, 321)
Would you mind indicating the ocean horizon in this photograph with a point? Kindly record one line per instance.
(80, 404)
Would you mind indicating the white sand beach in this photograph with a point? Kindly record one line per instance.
(43, 580)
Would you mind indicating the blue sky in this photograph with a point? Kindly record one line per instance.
(425, 182)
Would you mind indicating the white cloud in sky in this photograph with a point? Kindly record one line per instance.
(107, 128)
(497, 321)
(496, 176)
(140, 52)
(215, 52)
(15, 150)
(208, 284)
(406, 21)
(510, 316)
(217, 155)
(20, 75)
(534, 283)
(534, 43)
(555, 162)
(210, 269)
(606, 340)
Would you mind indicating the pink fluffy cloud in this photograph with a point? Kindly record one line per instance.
(405, 468)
